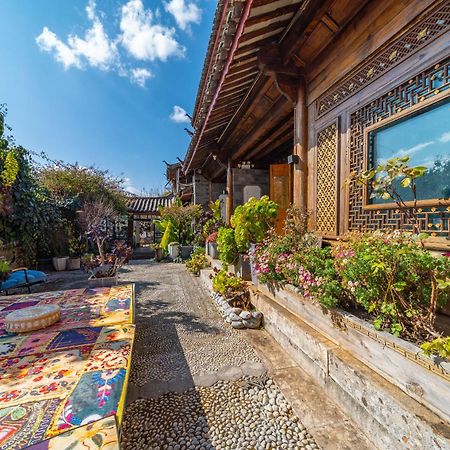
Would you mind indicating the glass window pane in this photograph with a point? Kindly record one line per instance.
(425, 138)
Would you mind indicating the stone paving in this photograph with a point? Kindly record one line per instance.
(195, 382)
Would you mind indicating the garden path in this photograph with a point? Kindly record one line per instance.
(195, 382)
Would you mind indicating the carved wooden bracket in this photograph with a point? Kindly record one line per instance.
(286, 79)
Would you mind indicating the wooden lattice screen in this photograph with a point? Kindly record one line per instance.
(424, 85)
(435, 24)
(326, 184)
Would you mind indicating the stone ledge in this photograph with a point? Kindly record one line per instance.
(388, 417)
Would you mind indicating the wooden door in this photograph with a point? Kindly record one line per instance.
(281, 191)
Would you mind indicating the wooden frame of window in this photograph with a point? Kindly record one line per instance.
(440, 97)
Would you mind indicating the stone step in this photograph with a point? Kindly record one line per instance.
(388, 417)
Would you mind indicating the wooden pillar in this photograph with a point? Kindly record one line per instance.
(229, 205)
(301, 147)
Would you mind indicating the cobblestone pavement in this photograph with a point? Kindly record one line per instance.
(195, 383)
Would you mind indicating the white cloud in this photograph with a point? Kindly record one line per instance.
(142, 38)
(49, 42)
(179, 115)
(128, 186)
(139, 76)
(445, 137)
(95, 49)
(413, 150)
(184, 13)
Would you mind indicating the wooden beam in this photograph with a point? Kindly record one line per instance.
(301, 147)
(272, 14)
(229, 205)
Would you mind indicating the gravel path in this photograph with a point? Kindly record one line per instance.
(190, 385)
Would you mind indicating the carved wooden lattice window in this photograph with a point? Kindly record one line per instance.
(326, 187)
(423, 86)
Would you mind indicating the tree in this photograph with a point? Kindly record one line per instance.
(72, 185)
(97, 214)
(26, 209)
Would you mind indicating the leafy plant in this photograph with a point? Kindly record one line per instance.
(72, 185)
(233, 288)
(395, 279)
(226, 245)
(111, 262)
(439, 347)
(252, 220)
(197, 261)
(182, 221)
(27, 212)
(5, 269)
(388, 182)
(212, 219)
(97, 214)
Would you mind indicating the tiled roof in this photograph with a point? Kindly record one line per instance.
(231, 69)
(148, 205)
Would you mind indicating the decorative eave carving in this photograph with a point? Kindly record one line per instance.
(427, 28)
(270, 61)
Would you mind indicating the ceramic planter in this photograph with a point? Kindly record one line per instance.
(159, 254)
(212, 249)
(254, 275)
(74, 263)
(60, 263)
(186, 251)
(242, 268)
(174, 251)
(103, 282)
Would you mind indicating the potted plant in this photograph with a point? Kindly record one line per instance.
(159, 252)
(179, 223)
(77, 246)
(211, 242)
(59, 243)
(251, 221)
(174, 250)
(197, 262)
(104, 272)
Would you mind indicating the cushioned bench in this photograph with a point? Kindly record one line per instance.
(23, 278)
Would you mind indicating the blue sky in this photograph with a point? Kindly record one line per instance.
(97, 82)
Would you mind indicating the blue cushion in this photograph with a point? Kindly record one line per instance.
(17, 279)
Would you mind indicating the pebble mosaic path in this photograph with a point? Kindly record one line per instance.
(195, 382)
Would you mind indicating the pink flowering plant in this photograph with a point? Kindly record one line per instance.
(295, 257)
(395, 279)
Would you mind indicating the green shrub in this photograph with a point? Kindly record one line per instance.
(226, 245)
(394, 279)
(439, 347)
(197, 261)
(252, 220)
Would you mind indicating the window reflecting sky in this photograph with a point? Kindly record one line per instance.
(425, 138)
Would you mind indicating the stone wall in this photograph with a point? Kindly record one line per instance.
(249, 177)
(201, 190)
(215, 190)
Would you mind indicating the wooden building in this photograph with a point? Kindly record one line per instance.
(142, 212)
(307, 91)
